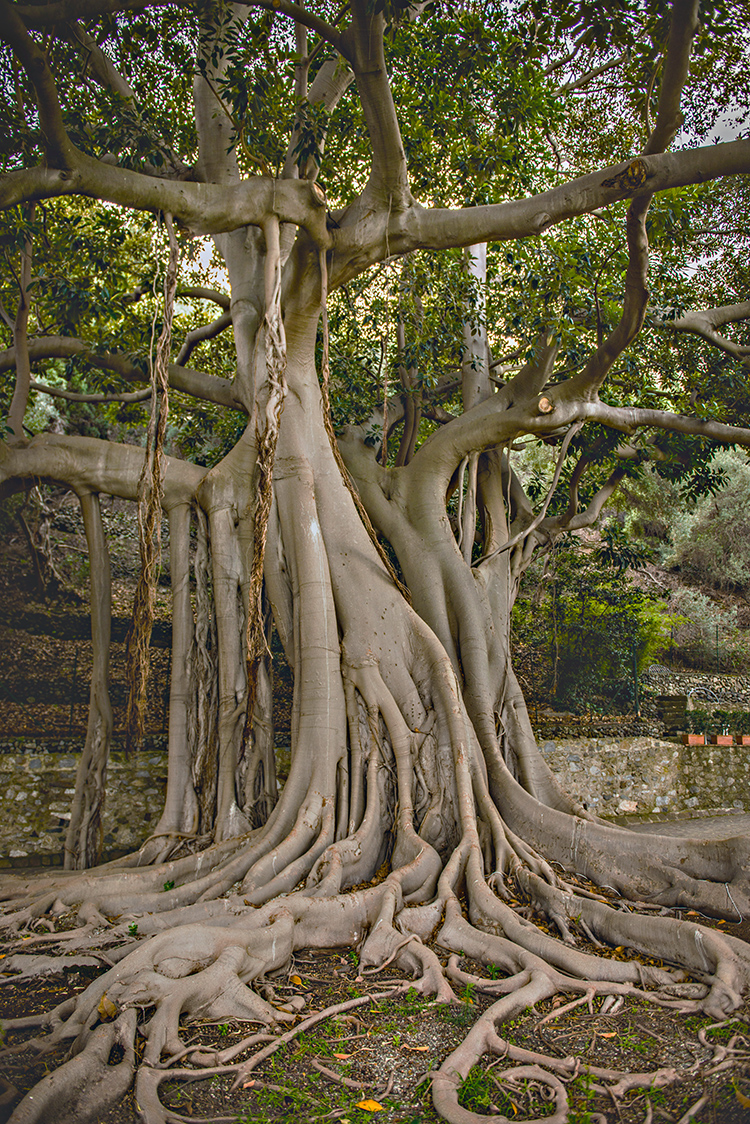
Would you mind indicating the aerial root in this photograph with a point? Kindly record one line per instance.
(718, 960)
(482, 985)
(87, 1085)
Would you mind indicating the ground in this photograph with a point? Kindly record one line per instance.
(379, 1053)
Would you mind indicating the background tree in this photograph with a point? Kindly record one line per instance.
(365, 495)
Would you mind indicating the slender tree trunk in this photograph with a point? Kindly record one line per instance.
(83, 840)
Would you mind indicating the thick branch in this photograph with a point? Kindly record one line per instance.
(205, 332)
(668, 120)
(682, 31)
(210, 388)
(705, 323)
(71, 396)
(440, 228)
(630, 418)
(100, 66)
(58, 147)
(389, 176)
(205, 208)
(203, 294)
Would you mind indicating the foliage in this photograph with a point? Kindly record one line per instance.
(701, 721)
(711, 539)
(593, 623)
(704, 634)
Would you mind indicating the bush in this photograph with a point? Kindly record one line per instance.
(711, 540)
(593, 624)
(718, 721)
(700, 626)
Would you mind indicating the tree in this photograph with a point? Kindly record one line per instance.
(389, 573)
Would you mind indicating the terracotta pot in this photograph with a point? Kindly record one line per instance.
(693, 739)
(722, 739)
(742, 739)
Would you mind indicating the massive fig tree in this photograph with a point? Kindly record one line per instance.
(366, 502)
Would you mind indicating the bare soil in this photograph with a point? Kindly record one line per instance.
(380, 1055)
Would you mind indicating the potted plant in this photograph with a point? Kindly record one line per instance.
(742, 726)
(697, 720)
(721, 722)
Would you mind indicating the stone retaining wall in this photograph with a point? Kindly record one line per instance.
(643, 775)
(612, 776)
(37, 780)
(728, 691)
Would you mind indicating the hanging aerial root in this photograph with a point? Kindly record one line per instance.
(150, 488)
(273, 339)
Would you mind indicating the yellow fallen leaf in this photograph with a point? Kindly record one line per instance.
(370, 1106)
(106, 1008)
(744, 1101)
(295, 980)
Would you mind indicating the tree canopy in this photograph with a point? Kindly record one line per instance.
(306, 278)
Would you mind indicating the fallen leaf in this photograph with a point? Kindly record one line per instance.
(608, 1034)
(370, 1106)
(295, 980)
(248, 1084)
(422, 1049)
(343, 1057)
(106, 1008)
(744, 1101)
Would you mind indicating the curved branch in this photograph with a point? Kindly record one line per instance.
(389, 175)
(574, 521)
(668, 120)
(683, 27)
(209, 388)
(100, 66)
(71, 396)
(441, 228)
(58, 147)
(88, 464)
(705, 323)
(63, 11)
(206, 208)
(203, 294)
(526, 531)
(205, 332)
(307, 19)
(630, 418)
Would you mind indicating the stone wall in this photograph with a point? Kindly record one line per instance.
(37, 779)
(615, 777)
(640, 776)
(730, 692)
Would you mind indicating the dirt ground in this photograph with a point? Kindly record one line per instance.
(374, 1060)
